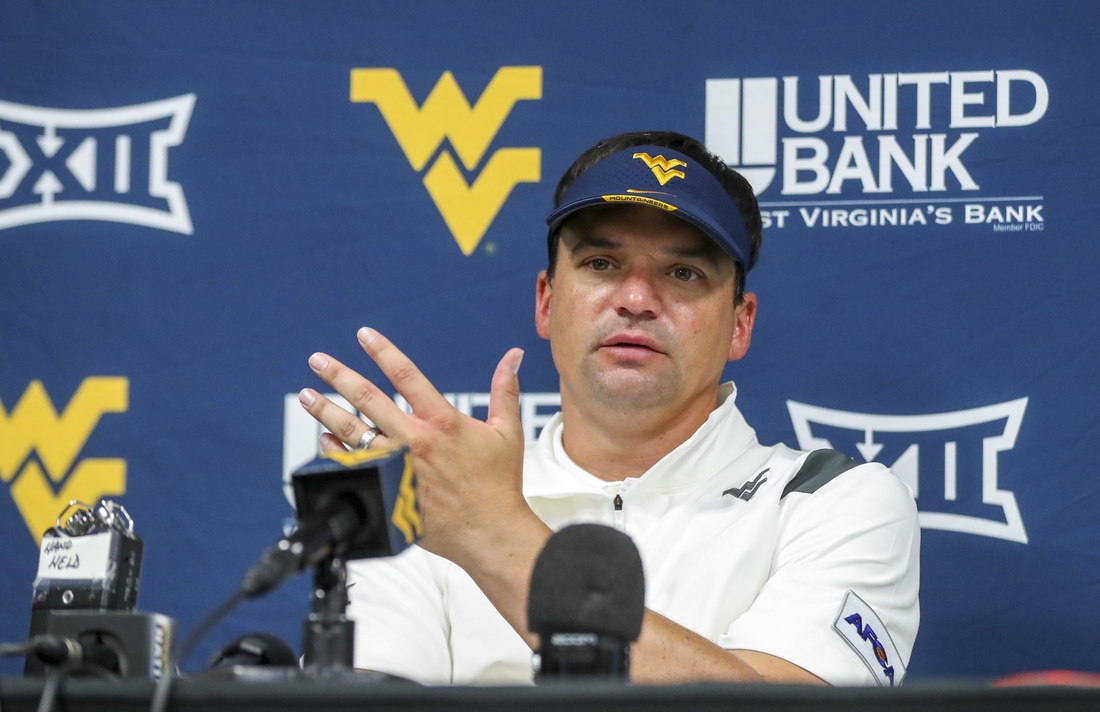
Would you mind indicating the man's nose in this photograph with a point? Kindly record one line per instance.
(638, 293)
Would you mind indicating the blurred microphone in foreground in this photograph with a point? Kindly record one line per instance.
(586, 603)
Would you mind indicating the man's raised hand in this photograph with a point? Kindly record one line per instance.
(469, 472)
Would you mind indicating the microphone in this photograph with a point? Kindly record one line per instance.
(254, 649)
(586, 603)
(317, 537)
(351, 505)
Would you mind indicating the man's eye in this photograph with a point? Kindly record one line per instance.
(599, 264)
(685, 274)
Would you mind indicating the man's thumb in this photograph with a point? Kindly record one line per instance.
(504, 393)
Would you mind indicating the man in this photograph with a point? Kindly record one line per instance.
(762, 563)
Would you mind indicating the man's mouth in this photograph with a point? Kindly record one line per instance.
(631, 344)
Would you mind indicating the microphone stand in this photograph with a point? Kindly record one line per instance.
(328, 639)
(328, 636)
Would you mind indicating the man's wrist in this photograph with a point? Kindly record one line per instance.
(504, 540)
(500, 559)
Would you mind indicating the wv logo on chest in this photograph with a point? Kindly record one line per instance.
(467, 208)
(746, 491)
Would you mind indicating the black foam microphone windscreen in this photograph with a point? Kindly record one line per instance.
(587, 579)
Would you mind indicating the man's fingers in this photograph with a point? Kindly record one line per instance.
(366, 397)
(403, 374)
(504, 412)
(345, 426)
(330, 443)
(380, 441)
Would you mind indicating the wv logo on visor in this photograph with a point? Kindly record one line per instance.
(663, 169)
(39, 450)
(95, 164)
(467, 208)
(948, 460)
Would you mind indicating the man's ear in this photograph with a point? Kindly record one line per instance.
(544, 289)
(744, 316)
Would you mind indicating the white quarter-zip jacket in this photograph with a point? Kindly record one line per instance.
(810, 557)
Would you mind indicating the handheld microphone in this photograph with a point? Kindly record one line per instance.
(586, 603)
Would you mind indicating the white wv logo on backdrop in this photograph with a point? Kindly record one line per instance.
(948, 460)
(93, 164)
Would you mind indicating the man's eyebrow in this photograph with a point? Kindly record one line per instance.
(705, 252)
(596, 242)
(702, 252)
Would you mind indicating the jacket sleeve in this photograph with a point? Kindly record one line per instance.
(859, 532)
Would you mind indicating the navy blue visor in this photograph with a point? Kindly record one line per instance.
(664, 179)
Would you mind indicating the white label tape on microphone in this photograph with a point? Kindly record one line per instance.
(78, 557)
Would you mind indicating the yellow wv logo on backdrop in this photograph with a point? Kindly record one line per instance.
(662, 168)
(34, 427)
(468, 209)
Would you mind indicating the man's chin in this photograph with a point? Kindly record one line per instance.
(633, 388)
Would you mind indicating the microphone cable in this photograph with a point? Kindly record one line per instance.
(56, 673)
(8, 649)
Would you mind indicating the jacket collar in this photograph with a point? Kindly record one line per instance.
(725, 436)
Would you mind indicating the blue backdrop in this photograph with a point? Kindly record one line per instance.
(195, 196)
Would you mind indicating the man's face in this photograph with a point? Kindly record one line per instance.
(640, 312)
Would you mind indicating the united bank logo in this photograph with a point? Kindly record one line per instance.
(896, 133)
(94, 164)
(468, 208)
(948, 460)
(39, 450)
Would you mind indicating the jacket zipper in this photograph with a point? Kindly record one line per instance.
(618, 512)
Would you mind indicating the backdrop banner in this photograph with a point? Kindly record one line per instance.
(196, 196)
